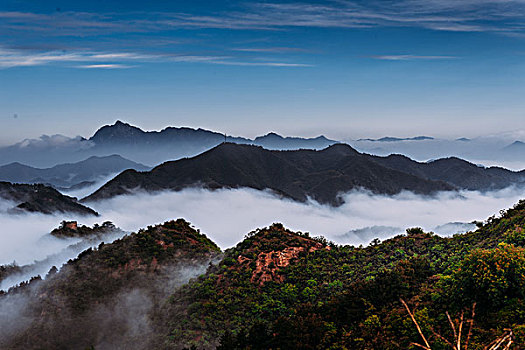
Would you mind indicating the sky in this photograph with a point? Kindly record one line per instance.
(345, 69)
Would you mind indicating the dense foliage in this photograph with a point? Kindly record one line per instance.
(344, 297)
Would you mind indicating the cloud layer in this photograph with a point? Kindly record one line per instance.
(502, 17)
(226, 216)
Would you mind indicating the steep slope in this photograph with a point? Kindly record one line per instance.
(113, 292)
(69, 175)
(42, 199)
(321, 175)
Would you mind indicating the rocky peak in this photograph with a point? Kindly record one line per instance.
(268, 251)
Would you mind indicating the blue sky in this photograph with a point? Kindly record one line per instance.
(345, 69)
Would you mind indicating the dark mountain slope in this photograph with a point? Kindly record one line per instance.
(321, 175)
(68, 175)
(42, 199)
(455, 171)
(108, 297)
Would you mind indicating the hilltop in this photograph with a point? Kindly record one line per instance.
(41, 199)
(113, 291)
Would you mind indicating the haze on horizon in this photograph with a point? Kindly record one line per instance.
(346, 69)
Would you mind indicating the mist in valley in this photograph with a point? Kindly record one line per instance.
(226, 215)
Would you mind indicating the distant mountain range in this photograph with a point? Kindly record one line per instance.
(146, 147)
(153, 147)
(72, 175)
(302, 174)
(41, 199)
(396, 139)
(502, 150)
(515, 149)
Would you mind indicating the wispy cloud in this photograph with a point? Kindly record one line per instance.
(503, 16)
(269, 49)
(104, 66)
(261, 64)
(24, 29)
(411, 57)
(21, 58)
(119, 60)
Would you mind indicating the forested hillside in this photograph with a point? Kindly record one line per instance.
(283, 290)
(170, 287)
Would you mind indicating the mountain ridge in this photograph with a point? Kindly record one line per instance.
(41, 199)
(320, 175)
(68, 174)
(301, 174)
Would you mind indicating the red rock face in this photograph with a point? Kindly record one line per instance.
(269, 264)
(72, 225)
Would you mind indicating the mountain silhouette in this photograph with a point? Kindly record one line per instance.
(320, 175)
(41, 199)
(302, 174)
(69, 175)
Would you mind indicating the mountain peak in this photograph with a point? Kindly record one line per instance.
(118, 132)
(118, 122)
(270, 250)
(273, 134)
(340, 148)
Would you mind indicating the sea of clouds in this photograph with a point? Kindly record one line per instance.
(227, 215)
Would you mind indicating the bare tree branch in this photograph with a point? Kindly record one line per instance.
(459, 330)
(471, 325)
(417, 325)
(453, 326)
(421, 346)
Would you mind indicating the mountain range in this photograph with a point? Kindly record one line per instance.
(154, 147)
(65, 176)
(146, 147)
(396, 139)
(502, 150)
(321, 175)
(41, 199)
